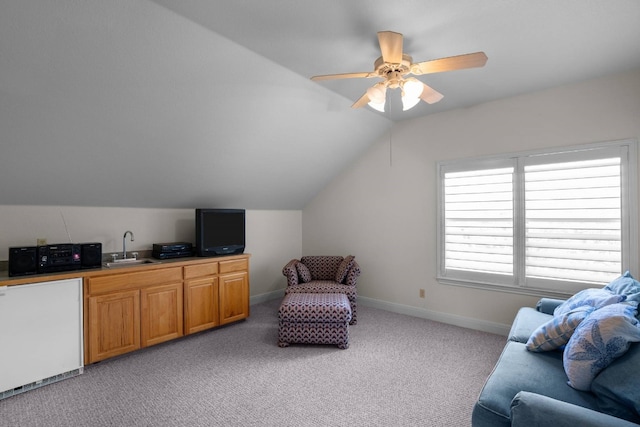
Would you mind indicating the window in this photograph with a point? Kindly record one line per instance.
(539, 222)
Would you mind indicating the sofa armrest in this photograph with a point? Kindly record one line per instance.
(535, 410)
(352, 274)
(289, 271)
(547, 305)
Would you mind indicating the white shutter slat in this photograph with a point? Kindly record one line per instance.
(468, 247)
(572, 220)
(478, 214)
(584, 276)
(592, 255)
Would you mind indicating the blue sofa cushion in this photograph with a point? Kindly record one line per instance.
(617, 388)
(534, 410)
(601, 338)
(557, 331)
(519, 369)
(596, 298)
(526, 322)
(625, 285)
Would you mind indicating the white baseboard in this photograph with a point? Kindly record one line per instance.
(257, 299)
(452, 319)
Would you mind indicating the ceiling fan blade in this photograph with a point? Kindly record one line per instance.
(470, 60)
(343, 76)
(430, 95)
(390, 46)
(364, 100)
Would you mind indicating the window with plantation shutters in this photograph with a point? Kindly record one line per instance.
(478, 221)
(573, 225)
(541, 222)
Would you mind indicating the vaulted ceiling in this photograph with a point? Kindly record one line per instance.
(194, 103)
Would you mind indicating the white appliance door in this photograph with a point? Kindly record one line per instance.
(40, 331)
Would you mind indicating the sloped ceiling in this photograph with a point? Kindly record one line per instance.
(194, 103)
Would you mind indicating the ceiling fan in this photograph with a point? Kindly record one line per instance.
(393, 67)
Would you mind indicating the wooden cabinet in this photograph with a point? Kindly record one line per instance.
(234, 290)
(128, 311)
(114, 324)
(134, 307)
(216, 293)
(234, 297)
(160, 314)
(201, 297)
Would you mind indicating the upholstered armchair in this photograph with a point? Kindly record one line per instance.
(324, 274)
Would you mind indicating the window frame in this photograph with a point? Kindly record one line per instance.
(518, 283)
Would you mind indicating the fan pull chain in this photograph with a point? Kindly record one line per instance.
(388, 113)
(390, 148)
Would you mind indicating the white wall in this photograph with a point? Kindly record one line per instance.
(383, 209)
(273, 237)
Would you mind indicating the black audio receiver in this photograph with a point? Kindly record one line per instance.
(60, 257)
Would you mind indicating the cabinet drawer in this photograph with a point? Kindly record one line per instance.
(234, 265)
(125, 281)
(191, 271)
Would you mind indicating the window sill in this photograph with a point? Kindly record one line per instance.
(546, 293)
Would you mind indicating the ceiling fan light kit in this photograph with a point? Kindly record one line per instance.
(411, 91)
(376, 95)
(393, 67)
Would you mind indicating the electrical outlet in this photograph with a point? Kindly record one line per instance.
(421, 293)
(41, 242)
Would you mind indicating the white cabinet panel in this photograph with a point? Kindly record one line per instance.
(40, 332)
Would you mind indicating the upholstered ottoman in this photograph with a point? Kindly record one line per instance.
(314, 319)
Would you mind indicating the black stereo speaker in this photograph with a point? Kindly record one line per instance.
(23, 261)
(91, 255)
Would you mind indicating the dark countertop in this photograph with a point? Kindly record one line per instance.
(5, 280)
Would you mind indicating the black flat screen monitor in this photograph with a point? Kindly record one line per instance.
(220, 231)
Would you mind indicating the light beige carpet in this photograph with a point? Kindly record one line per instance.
(398, 371)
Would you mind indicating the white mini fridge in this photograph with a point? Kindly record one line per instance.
(41, 334)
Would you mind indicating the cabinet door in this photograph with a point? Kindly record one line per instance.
(234, 297)
(201, 304)
(114, 324)
(161, 308)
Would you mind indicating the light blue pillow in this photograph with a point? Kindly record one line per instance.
(557, 331)
(593, 297)
(625, 285)
(603, 336)
(616, 388)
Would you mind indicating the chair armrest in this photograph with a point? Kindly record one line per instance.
(547, 305)
(290, 272)
(535, 410)
(353, 274)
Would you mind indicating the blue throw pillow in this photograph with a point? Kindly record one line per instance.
(603, 336)
(557, 331)
(617, 388)
(593, 297)
(625, 285)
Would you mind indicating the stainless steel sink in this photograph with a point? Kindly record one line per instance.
(129, 262)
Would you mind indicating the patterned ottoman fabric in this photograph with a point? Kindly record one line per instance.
(314, 319)
(328, 287)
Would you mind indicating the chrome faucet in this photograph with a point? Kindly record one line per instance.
(124, 243)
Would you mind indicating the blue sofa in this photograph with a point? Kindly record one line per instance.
(530, 388)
